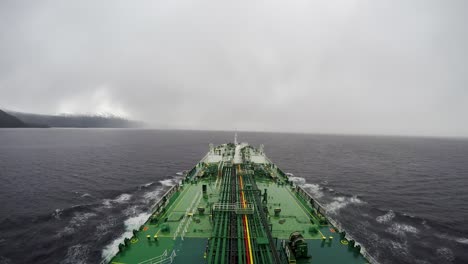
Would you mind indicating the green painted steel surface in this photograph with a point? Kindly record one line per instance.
(187, 228)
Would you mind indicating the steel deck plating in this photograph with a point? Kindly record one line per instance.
(236, 206)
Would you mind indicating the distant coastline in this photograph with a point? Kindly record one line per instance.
(11, 119)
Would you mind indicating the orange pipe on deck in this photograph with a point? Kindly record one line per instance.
(246, 223)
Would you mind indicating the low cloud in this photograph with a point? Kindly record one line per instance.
(366, 67)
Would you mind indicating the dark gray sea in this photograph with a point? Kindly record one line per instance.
(69, 195)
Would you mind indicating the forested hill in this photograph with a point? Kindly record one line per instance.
(7, 120)
(78, 121)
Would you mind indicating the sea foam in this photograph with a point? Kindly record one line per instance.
(130, 224)
(341, 202)
(402, 229)
(123, 198)
(313, 189)
(167, 182)
(386, 218)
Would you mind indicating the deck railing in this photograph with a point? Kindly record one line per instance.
(163, 259)
(167, 195)
(321, 209)
(161, 203)
(186, 220)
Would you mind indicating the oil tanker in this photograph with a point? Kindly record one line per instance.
(237, 206)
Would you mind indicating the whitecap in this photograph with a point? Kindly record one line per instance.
(132, 223)
(336, 205)
(386, 218)
(153, 195)
(180, 173)
(146, 185)
(355, 200)
(313, 189)
(57, 213)
(167, 182)
(297, 180)
(341, 202)
(461, 240)
(123, 198)
(86, 195)
(119, 199)
(402, 229)
(107, 203)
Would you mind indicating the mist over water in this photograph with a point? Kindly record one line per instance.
(71, 195)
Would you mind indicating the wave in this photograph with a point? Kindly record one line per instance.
(146, 185)
(297, 180)
(125, 197)
(77, 254)
(132, 210)
(445, 254)
(153, 195)
(85, 195)
(107, 203)
(60, 214)
(399, 249)
(313, 189)
(341, 202)
(82, 194)
(317, 192)
(386, 218)
(57, 213)
(106, 226)
(76, 222)
(130, 224)
(167, 182)
(461, 240)
(401, 229)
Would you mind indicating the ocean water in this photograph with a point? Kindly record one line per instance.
(71, 195)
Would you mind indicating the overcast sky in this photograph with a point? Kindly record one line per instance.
(366, 67)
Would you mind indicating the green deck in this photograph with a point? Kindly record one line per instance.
(218, 236)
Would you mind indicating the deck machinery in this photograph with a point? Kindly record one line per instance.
(236, 206)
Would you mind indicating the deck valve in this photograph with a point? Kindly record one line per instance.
(277, 211)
